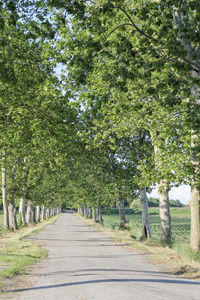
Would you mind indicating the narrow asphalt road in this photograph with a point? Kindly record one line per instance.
(85, 264)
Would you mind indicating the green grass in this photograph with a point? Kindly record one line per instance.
(16, 252)
(17, 255)
(180, 219)
(1, 223)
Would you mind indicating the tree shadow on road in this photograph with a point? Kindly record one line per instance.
(165, 281)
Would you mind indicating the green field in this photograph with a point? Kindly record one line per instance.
(180, 222)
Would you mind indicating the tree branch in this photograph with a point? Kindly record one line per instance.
(133, 24)
(125, 24)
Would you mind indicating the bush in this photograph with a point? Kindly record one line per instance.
(135, 203)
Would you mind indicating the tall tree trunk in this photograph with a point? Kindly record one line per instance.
(100, 218)
(22, 210)
(195, 192)
(15, 213)
(122, 215)
(82, 212)
(29, 213)
(195, 217)
(163, 190)
(90, 213)
(94, 213)
(12, 214)
(97, 214)
(37, 214)
(4, 194)
(195, 200)
(47, 213)
(146, 228)
(192, 57)
(43, 213)
(22, 198)
(165, 217)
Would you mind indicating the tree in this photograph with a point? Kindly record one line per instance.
(35, 115)
(186, 17)
(134, 41)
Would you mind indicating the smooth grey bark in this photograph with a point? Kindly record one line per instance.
(90, 213)
(146, 228)
(43, 213)
(94, 214)
(195, 200)
(84, 210)
(165, 217)
(37, 214)
(100, 218)
(163, 190)
(195, 218)
(79, 210)
(29, 213)
(12, 209)
(12, 214)
(122, 215)
(22, 210)
(34, 215)
(195, 192)
(4, 194)
(47, 213)
(97, 214)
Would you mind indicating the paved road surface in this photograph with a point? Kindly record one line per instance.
(85, 264)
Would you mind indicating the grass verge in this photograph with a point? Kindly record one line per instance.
(179, 261)
(17, 253)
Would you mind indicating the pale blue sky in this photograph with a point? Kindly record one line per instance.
(181, 193)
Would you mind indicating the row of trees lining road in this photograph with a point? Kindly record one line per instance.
(135, 65)
(36, 119)
(123, 116)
